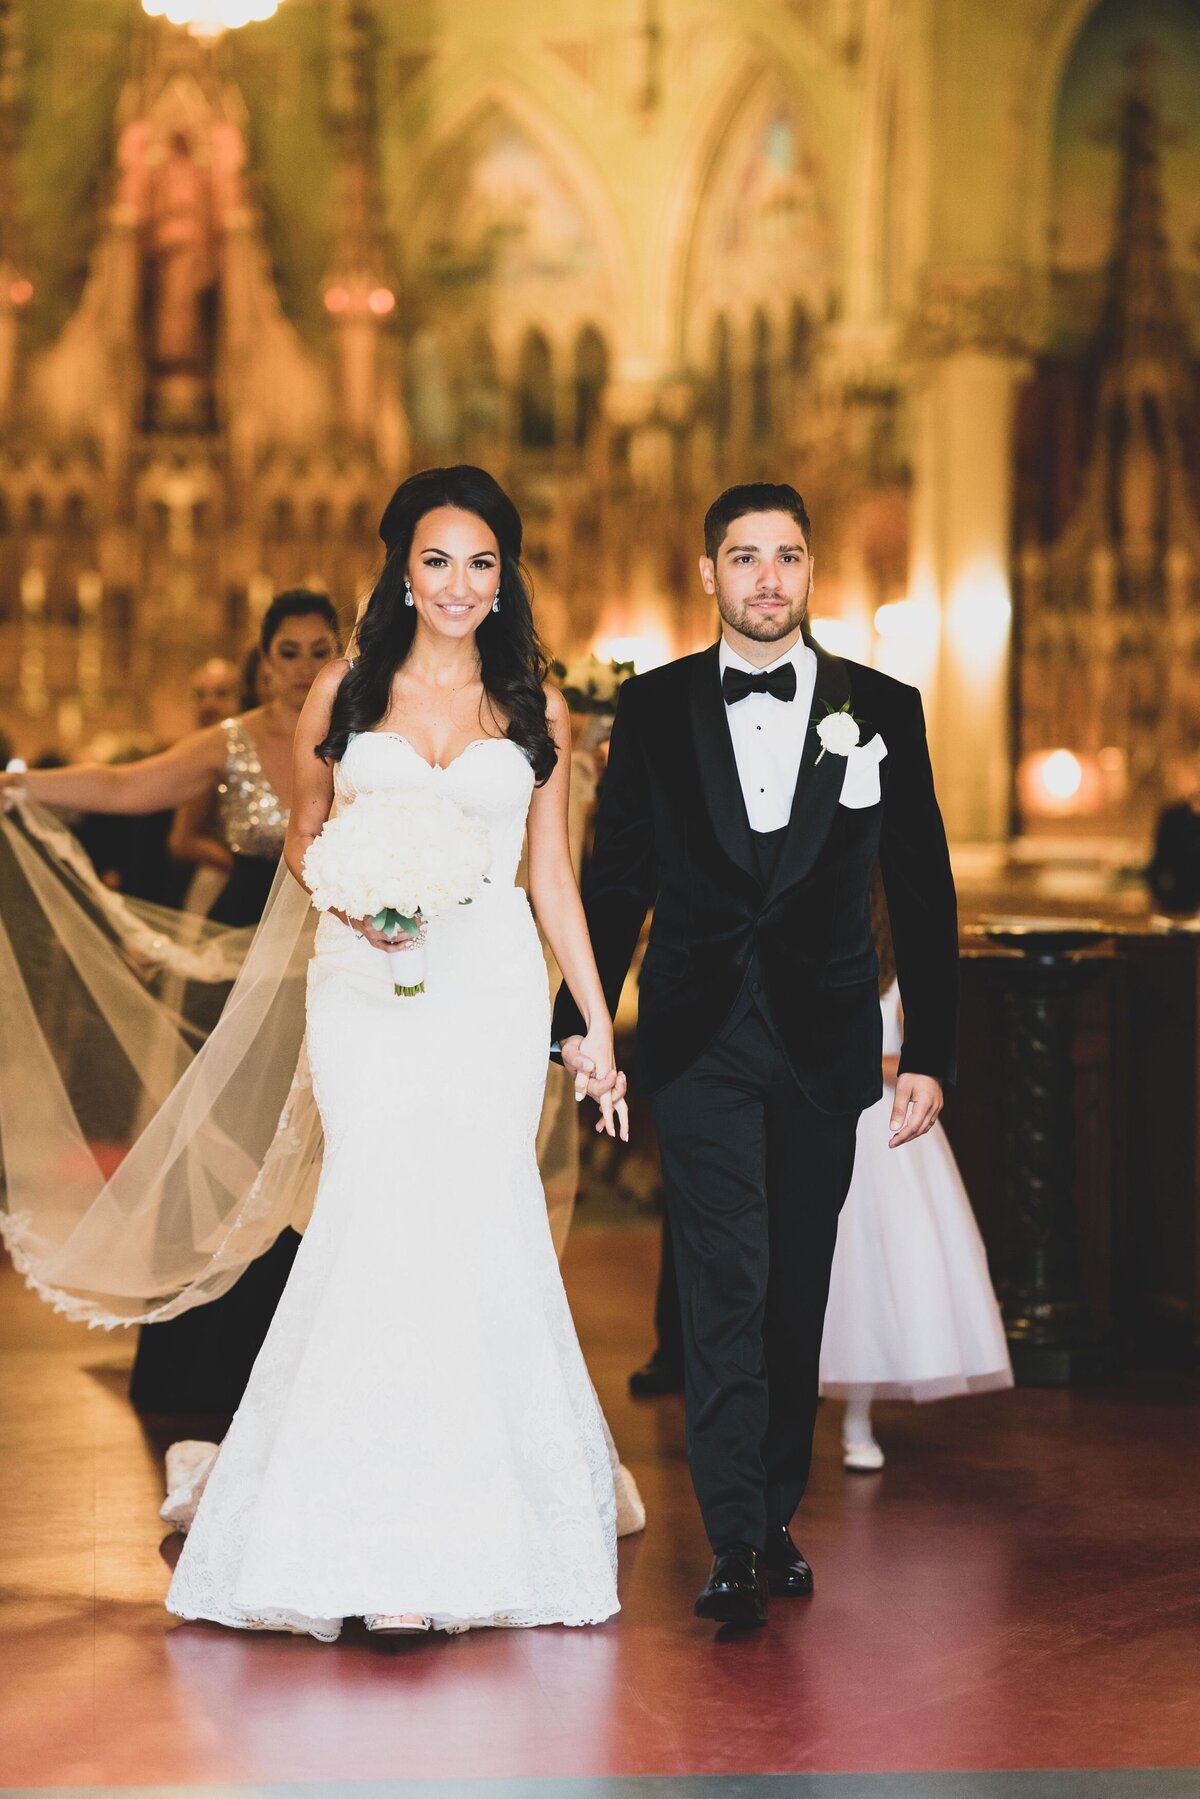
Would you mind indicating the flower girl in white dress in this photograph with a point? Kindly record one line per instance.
(420, 1444)
(911, 1312)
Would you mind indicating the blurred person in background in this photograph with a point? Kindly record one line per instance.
(1173, 874)
(214, 692)
(195, 840)
(911, 1312)
(200, 1362)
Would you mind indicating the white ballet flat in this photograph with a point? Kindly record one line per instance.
(862, 1458)
(397, 1624)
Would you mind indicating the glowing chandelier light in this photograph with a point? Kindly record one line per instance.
(209, 18)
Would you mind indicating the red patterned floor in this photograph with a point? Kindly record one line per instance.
(1020, 1588)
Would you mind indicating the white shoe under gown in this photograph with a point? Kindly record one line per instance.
(420, 1433)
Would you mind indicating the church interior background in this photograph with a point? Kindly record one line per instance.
(937, 264)
(934, 261)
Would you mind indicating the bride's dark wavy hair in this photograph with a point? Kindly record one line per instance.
(514, 664)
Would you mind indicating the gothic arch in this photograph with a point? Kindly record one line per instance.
(887, 176)
(758, 104)
(1040, 79)
(1045, 67)
(771, 46)
(470, 94)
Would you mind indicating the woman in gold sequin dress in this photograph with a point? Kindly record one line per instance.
(200, 1362)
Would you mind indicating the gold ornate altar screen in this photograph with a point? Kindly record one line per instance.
(934, 264)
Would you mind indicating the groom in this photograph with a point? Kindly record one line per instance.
(750, 791)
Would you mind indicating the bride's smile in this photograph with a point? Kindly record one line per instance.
(455, 575)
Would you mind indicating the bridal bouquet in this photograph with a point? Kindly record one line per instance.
(398, 858)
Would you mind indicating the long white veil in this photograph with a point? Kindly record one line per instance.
(145, 1163)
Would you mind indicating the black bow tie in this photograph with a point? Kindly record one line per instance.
(780, 683)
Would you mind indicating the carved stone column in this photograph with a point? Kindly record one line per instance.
(968, 342)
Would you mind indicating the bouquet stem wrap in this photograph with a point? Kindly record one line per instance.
(391, 923)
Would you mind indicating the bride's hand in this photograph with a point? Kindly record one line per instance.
(607, 1086)
(362, 927)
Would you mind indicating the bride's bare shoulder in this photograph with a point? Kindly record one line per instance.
(331, 678)
(557, 712)
(335, 672)
(318, 707)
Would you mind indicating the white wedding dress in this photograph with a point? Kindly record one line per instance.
(420, 1433)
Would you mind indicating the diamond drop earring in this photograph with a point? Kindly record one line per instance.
(496, 601)
(408, 599)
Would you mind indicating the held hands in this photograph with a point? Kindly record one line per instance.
(915, 1108)
(592, 1062)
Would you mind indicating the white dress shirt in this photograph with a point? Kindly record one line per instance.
(769, 735)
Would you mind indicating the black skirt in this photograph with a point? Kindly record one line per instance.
(243, 899)
(200, 1362)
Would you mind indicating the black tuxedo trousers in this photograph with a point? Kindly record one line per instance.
(755, 1178)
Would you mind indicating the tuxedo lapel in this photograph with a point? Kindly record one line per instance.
(717, 764)
(819, 783)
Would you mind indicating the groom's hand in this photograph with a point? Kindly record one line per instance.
(915, 1109)
(584, 1070)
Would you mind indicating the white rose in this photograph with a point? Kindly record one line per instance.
(839, 734)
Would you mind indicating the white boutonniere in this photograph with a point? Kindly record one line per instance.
(839, 732)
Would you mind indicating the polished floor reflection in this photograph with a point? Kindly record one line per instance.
(1016, 1591)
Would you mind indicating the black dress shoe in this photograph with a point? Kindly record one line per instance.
(788, 1574)
(659, 1376)
(737, 1589)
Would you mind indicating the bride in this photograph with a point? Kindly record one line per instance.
(419, 1444)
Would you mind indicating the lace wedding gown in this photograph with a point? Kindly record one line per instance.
(419, 1433)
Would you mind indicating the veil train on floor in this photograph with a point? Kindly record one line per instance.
(145, 1164)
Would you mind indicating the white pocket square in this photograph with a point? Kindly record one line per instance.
(861, 784)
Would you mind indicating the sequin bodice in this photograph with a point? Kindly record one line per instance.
(254, 819)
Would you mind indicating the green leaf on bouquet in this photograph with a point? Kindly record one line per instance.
(390, 923)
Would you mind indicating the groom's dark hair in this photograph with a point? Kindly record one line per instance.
(752, 496)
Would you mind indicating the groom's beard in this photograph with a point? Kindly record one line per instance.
(763, 629)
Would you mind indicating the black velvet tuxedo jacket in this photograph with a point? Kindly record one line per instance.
(672, 832)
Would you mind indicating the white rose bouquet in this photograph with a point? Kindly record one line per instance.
(398, 858)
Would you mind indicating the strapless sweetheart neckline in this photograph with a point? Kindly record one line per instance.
(441, 768)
